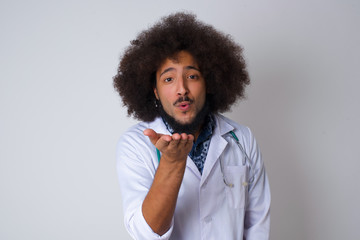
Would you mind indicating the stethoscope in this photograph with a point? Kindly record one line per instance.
(244, 161)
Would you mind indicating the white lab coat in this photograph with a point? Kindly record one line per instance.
(206, 207)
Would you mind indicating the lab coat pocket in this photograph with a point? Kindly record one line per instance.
(236, 185)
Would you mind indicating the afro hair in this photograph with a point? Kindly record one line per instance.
(219, 58)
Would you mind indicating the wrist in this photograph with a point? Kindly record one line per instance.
(172, 166)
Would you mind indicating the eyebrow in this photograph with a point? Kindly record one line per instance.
(170, 69)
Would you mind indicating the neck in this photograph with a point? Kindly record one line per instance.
(198, 131)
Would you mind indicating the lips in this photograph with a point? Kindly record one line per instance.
(183, 103)
(183, 106)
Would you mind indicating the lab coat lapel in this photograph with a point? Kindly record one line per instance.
(191, 165)
(217, 146)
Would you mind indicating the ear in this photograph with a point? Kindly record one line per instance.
(156, 94)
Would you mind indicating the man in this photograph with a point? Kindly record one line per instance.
(187, 172)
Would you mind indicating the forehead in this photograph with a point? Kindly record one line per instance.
(183, 58)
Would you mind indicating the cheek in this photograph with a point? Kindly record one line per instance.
(164, 95)
(201, 92)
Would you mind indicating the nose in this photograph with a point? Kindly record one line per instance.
(182, 88)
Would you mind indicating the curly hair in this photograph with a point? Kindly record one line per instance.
(219, 58)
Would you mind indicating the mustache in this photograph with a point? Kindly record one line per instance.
(183, 99)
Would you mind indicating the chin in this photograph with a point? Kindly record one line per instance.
(186, 120)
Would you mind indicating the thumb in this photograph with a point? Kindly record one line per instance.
(152, 135)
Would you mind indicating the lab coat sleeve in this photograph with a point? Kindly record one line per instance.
(257, 213)
(136, 174)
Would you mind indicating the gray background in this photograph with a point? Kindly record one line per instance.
(61, 119)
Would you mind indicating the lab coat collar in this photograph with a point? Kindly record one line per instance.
(217, 145)
(158, 126)
(222, 125)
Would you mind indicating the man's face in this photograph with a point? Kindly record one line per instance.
(180, 87)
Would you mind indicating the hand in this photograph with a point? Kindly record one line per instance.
(160, 202)
(173, 148)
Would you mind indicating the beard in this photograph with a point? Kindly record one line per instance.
(188, 128)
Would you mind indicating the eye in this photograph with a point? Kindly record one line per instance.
(169, 79)
(193, 76)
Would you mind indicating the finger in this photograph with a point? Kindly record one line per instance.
(175, 140)
(163, 142)
(184, 138)
(153, 136)
(190, 139)
(176, 136)
(184, 141)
